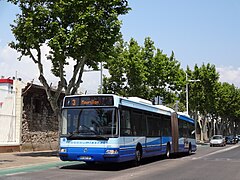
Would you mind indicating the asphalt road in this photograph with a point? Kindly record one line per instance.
(208, 163)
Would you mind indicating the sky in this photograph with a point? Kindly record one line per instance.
(198, 32)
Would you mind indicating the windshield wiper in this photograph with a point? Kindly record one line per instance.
(71, 134)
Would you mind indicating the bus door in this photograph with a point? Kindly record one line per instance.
(174, 123)
(126, 132)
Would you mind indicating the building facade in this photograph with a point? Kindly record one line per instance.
(27, 122)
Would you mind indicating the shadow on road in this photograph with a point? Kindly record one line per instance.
(39, 154)
(117, 166)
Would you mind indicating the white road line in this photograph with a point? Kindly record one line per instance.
(216, 152)
(14, 174)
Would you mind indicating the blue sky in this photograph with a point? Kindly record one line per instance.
(206, 31)
(197, 31)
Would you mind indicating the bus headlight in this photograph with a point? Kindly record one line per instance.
(63, 150)
(112, 151)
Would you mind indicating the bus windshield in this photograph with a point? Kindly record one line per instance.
(89, 121)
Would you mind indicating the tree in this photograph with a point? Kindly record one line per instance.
(228, 106)
(204, 96)
(127, 70)
(116, 67)
(81, 31)
(143, 71)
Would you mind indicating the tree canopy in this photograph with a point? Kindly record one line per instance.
(143, 71)
(82, 31)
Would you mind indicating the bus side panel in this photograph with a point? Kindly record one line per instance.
(128, 148)
(184, 144)
(165, 141)
(153, 146)
(193, 142)
(186, 134)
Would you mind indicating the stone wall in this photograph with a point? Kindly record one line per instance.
(39, 124)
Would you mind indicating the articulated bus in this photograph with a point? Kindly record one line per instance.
(109, 128)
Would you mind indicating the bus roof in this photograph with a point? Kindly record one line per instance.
(139, 103)
(185, 117)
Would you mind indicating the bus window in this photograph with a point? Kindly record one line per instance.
(153, 124)
(125, 123)
(91, 121)
(138, 123)
(166, 125)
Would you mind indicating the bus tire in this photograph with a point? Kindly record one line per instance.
(168, 151)
(138, 157)
(190, 149)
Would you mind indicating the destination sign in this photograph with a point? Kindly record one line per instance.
(89, 101)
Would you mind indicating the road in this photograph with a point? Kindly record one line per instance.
(220, 163)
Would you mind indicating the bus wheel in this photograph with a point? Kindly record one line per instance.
(190, 149)
(168, 151)
(138, 157)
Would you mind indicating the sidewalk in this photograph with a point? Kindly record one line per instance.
(22, 159)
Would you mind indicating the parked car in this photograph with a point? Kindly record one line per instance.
(231, 139)
(217, 140)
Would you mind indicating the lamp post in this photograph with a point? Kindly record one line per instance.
(101, 78)
(188, 80)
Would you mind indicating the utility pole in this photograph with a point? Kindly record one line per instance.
(101, 79)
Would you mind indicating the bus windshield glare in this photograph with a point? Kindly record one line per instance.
(89, 121)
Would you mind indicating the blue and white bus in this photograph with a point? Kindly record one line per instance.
(110, 128)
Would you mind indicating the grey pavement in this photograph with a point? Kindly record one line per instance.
(21, 162)
(22, 159)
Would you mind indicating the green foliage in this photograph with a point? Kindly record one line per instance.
(228, 103)
(143, 71)
(202, 94)
(83, 31)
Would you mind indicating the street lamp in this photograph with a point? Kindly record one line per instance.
(189, 80)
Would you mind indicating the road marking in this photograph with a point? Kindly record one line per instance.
(216, 152)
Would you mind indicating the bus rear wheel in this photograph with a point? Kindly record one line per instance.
(167, 152)
(138, 157)
(190, 149)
